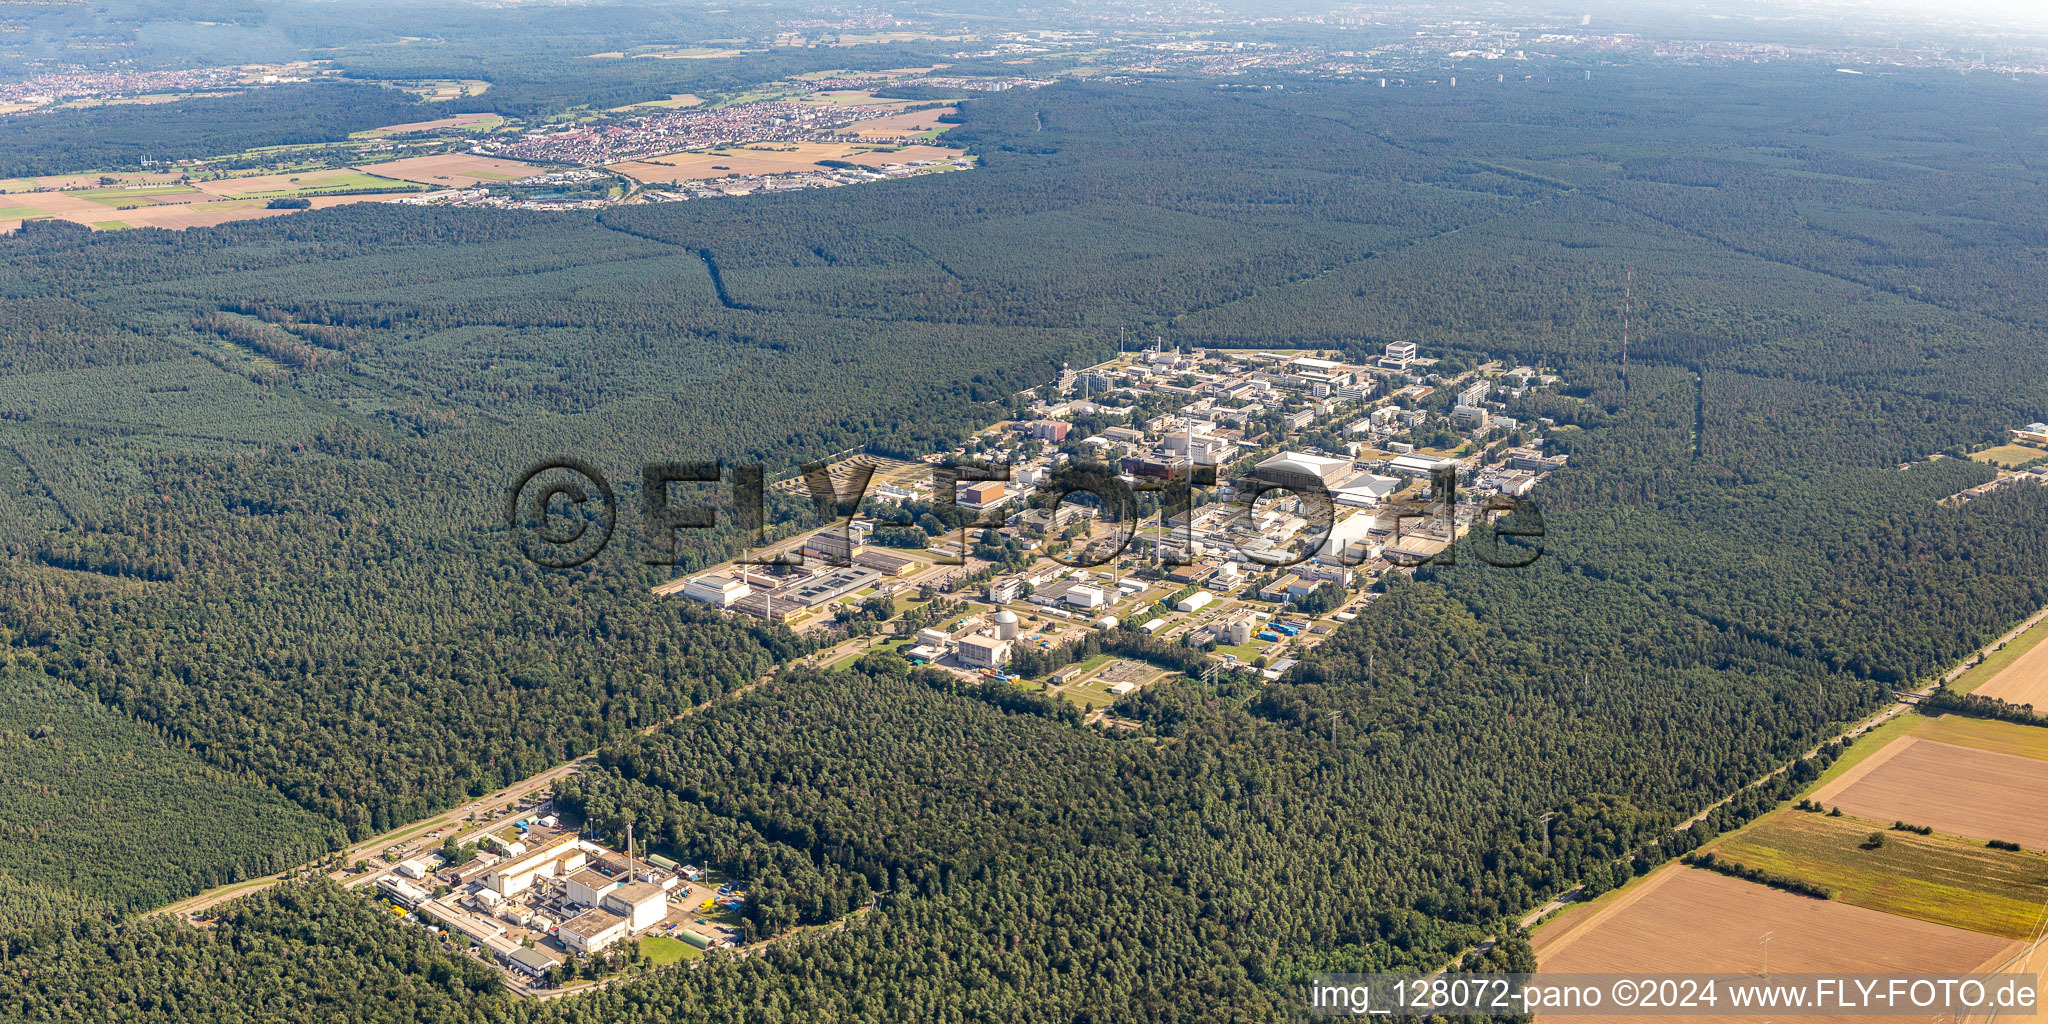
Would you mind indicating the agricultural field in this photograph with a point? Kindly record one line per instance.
(459, 122)
(769, 158)
(1961, 790)
(1985, 734)
(297, 183)
(907, 125)
(172, 215)
(452, 170)
(851, 98)
(80, 181)
(676, 101)
(1939, 879)
(1709, 922)
(2023, 677)
(1985, 670)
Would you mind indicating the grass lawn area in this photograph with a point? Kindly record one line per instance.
(1245, 651)
(862, 652)
(110, 225)
(663, 951)
(1084, 666)
(1093, 692)
(21, 213)
(1938, 878)
(1989, 668)
(2011, 456)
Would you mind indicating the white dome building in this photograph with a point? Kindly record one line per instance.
(1006, 625)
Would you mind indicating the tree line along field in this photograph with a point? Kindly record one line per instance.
(2022, 678)
(1957, 789)
(274, 544)
(1680, 918)
(1857, 837)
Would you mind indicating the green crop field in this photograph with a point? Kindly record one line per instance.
(1938, 878)
(1986, 734)
(326, 184)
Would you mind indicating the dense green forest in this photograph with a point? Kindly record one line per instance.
(122, 136)
(278, 562)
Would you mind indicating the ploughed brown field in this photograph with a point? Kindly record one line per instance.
(2025, 681)
(1687, 920)
(1960, 790)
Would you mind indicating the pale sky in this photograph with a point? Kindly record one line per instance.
(2023, 14)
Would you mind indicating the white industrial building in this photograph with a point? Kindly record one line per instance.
(532, 961)
(1295, 469)
(588, 886)
(515, 874)
(592, 931)
(984, 652)
(1194, 601)
(642, 904)
(717, 588)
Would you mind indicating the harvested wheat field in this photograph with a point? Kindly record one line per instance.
(769, 158)
(1681, 919)
(173, 216)
(901, 126)
(2025, 681)
(1959, 790)
(452, 170)
(88, 181)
